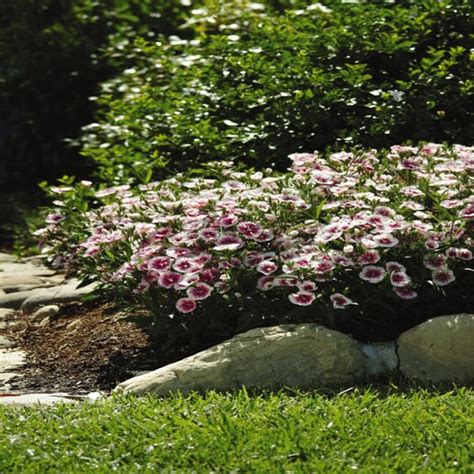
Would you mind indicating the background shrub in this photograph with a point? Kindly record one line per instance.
(51, 63)
(263, 85)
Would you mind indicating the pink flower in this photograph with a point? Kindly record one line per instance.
(431, 244)
(186, 305)
(285, 281)
(161, 233)
(452, 252)
(249, 229)
(54, 218)
(385, 240)
(208, 235)
(372, 274)
(323, 266)
(369, 257)
(464, 254)
(267, 267)
(307, 286)
(399, 279)
(467, 212)
(169, 279)
(395, 267)
(226, 221)
(340, 301)
(451, 203)
(405, 293)
(229, 242)
(328, 233)
(142, 287)
(209, 275)
(176, 252)
(187, 265)
(442, 277)
(265, 236)
(187, 281)
(200, 291)
(302, 298)
(159, 263)
(265, 283)
(434, 262)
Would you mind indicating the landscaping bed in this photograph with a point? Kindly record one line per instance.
(85, 347)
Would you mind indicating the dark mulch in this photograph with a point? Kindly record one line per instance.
(85, 347)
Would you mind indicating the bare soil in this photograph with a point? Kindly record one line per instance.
(85, 347)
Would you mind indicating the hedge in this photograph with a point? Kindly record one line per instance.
(264, 85)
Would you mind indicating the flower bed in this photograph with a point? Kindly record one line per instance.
(367, 242)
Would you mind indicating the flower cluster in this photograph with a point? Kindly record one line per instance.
(326, 230)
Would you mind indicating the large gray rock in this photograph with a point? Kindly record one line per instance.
(304, 356)
(439, 350)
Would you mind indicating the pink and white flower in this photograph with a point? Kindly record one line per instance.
(464, 254)
(372, 274)
(302, 298)
(267, 267)
(435, 261)
(369, 257)
(405, 293)
(249, 229)
(340, 301)
(442, 277)
(226, 221)
(395, 267)
(187, 265)
(265, 283)
(385, 240)
(159, 263)
(307, 286)
(200, 291)
(186, 305)
(169, 279)
(399, 279)
(209, 235)
(229, 242)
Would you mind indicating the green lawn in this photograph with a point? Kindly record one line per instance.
(362, 430)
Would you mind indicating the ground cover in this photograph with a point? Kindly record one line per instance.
(365, 430)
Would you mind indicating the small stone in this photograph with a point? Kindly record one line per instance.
(305, 356)
(439, 350)
(45, 322)
(46, 311)
(381, 358)
(73, 326)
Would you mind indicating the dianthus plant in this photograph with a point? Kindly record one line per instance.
(357, 231)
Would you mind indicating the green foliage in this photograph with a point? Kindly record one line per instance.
(262, 85)
(364, 430)
(50, 64)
